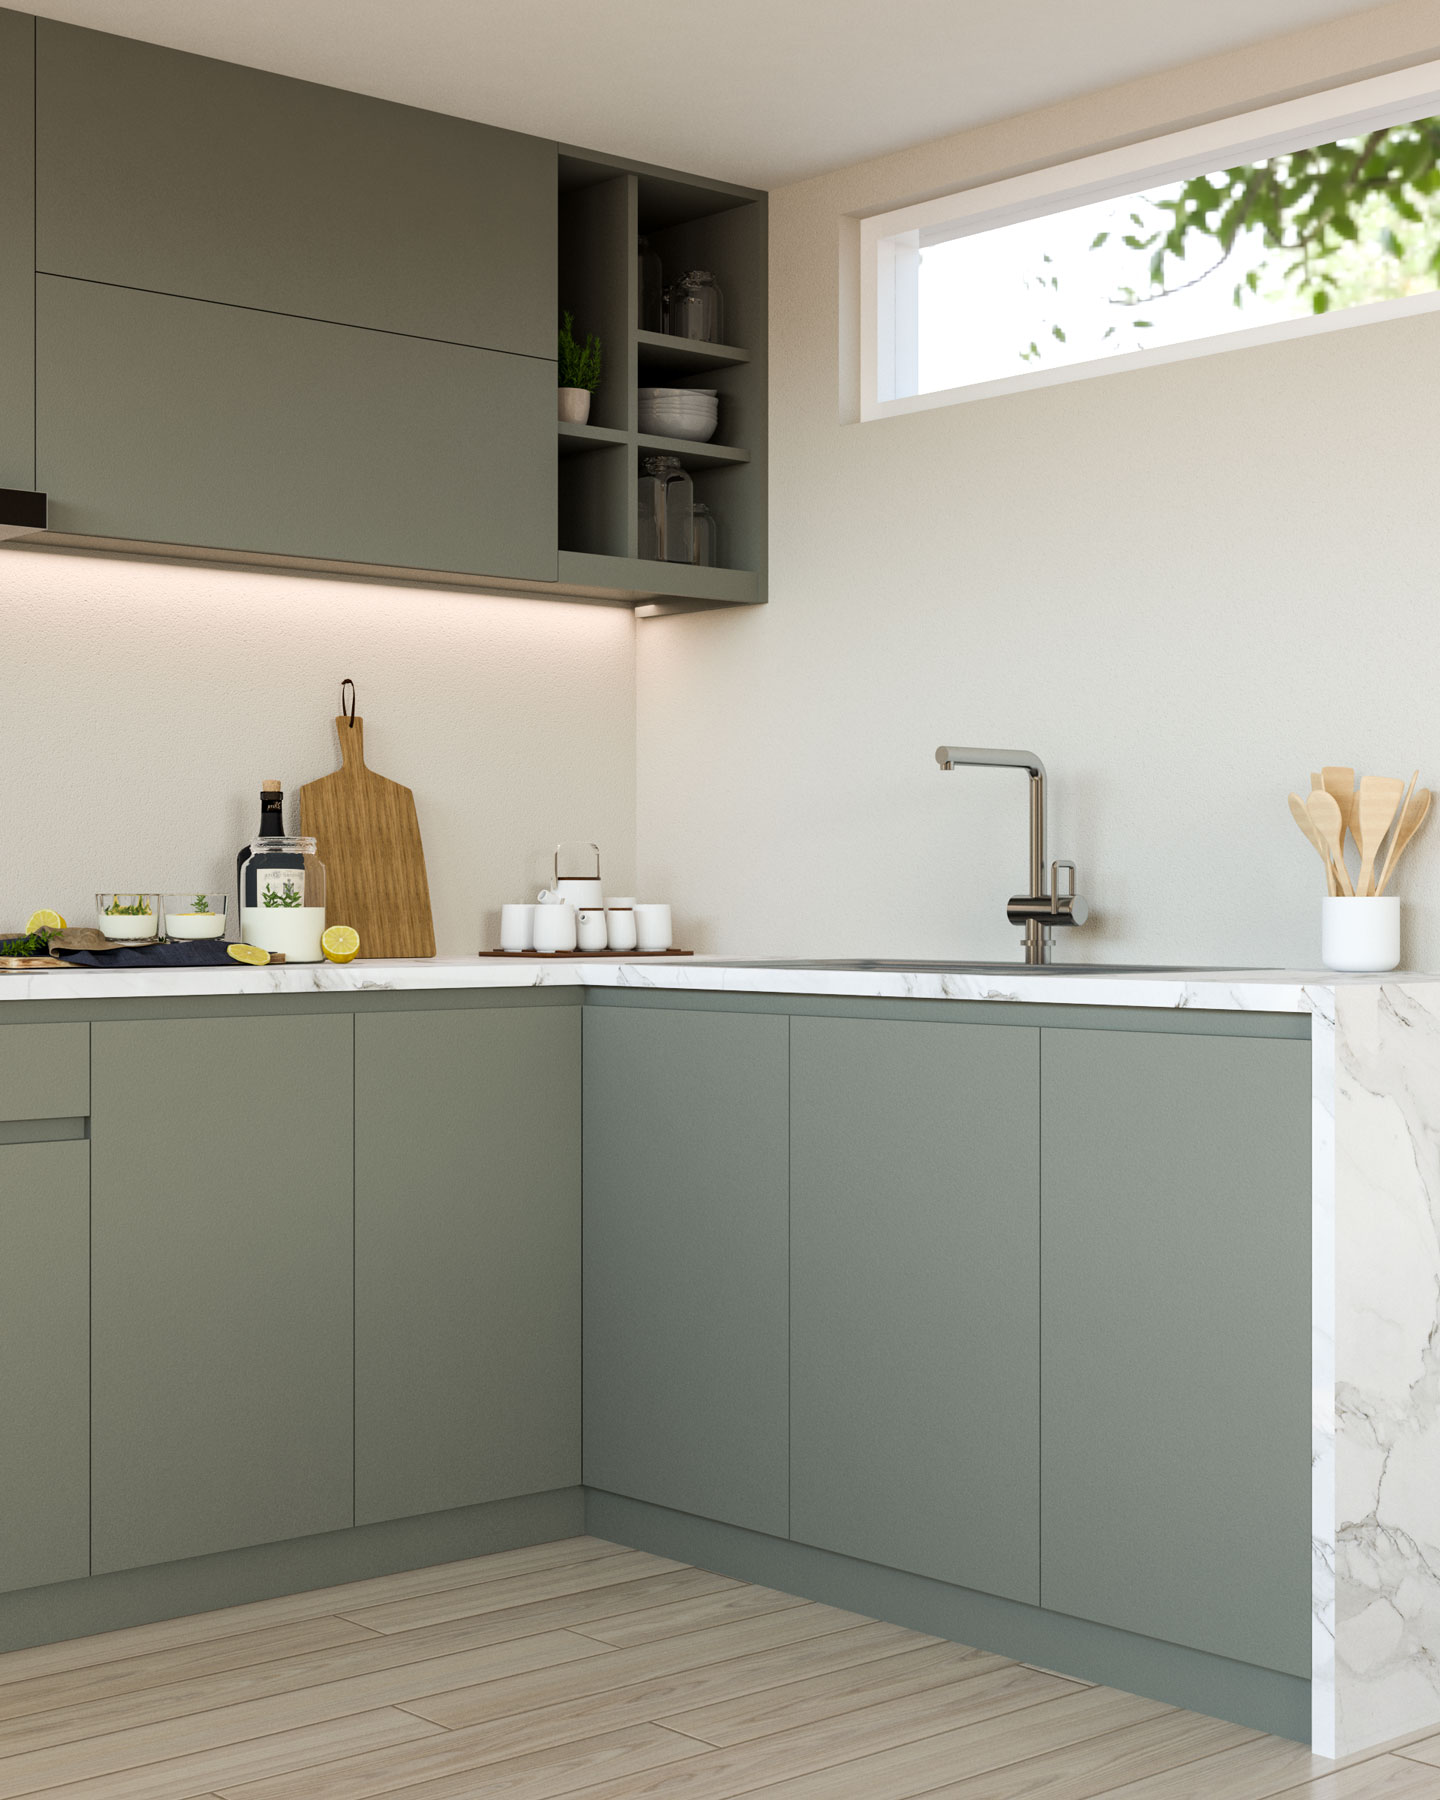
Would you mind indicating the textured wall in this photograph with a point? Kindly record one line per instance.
(142, 706)
(1185, 588)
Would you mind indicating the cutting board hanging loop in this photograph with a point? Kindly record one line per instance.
(350, 715)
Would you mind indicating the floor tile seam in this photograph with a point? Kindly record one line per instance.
(790, 1604)
(944, 1678)
(644, 1680)
(627, 1608)
(1301, 1787)
(306, 1687)
(567, 1593)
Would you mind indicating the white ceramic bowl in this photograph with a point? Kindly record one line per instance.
(695, 431)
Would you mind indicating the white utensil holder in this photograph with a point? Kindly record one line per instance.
(1360, 935)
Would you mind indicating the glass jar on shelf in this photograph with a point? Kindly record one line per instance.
(696, 308)
(282, 898)
(667, 503)
(705, 532)
(652, 289)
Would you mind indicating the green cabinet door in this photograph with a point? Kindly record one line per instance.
(685, 1261)
(467, 1257)
(17, 250)
(157, 169)
(222, 1256)
(914, 1421)
(44, 1363)
(179, 422)
(1176, 1339)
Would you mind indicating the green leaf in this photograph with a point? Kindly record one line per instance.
(1320, 301)
(1057, 332)
(1101, 237)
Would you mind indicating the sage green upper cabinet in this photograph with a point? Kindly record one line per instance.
(222, 1270)
(1176, 1331)
(686, 1309)
(17, 243)
(467, 1257)
(915, 1211)
(44, 1362)
(162, 170)
(181, 422)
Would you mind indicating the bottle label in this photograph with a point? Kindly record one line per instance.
(281, 887)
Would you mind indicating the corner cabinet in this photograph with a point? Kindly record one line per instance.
(250, 319)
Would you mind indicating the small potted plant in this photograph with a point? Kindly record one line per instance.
(579, 372)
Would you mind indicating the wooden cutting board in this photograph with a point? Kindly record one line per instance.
(368, 837)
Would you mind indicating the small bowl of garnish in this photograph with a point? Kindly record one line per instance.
(129, 918)
(194, 915)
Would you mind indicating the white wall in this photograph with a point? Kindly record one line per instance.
(141, 707)
(1185, 588)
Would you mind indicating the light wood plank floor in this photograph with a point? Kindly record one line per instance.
(588, 1670)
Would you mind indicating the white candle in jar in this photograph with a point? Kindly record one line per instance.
(194, 925)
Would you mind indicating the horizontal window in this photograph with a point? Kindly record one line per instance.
(1179, 247)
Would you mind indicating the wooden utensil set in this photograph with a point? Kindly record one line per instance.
(1336, 808)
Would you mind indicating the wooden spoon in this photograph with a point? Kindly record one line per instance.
(1376, 805)
(1311, 830)
(1324, 811)
(1411, 820)
(1317, 786)
(1341, 783)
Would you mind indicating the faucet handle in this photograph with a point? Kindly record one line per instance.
(1068, 908)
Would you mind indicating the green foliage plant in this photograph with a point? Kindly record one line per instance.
(36, 944)
(579, 363)
(288, 896)
(116, 911)
(201, 903)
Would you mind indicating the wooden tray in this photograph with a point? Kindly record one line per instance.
(29, 965)
(586, 955)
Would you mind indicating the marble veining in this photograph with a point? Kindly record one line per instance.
(1375, 1159)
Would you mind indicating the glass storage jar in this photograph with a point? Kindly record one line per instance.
(667, 501)
(652, 289)
(282, 898)
(696, 309)
(706, 534)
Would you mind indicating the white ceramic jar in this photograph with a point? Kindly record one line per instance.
(554, 924)
(620, 925)
(1360, 935)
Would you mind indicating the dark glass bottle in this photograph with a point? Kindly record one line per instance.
(272, 824)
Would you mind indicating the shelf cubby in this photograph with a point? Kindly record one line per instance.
(606, 205)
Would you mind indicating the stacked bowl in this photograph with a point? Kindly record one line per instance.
(690, 413)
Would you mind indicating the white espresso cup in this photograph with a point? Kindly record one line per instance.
(590, 929)
(652, 928)
(554, 927)
(620, 924)
(517, 927)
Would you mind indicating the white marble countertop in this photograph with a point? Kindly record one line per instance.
(1238, 990)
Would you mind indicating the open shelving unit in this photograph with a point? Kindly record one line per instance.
(606, 206)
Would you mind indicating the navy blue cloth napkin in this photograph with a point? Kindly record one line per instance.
(209, 955)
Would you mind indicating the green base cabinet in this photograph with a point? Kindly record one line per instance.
(914, 1292)
(1176, 1333)
(44, 1362)
(180, 422)
(222, 1259)
(686, 1353)
(467, 1257)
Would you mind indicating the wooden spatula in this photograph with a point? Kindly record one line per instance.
(1312, 831)
(1324, 812)
(1375, 806)
(1341, 783)
(1411, 819)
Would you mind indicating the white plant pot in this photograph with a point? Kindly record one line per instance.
(574, 406)
(1360, 935)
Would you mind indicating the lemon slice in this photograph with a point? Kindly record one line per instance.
(249, 953)
(44, 920)
(341, 943)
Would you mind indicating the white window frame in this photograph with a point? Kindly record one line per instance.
(890, 242)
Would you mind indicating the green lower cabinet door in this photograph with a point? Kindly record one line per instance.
(467, 1257)
(914, 1294)
(222, 1268)
(685, 1261)
(44, 1363)
(181, 422)
(1176, 1339)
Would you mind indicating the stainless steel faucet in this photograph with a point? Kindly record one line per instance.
(1036, 910)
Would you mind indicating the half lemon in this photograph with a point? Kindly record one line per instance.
(249, 953)
(44, 920)
(341, 943)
